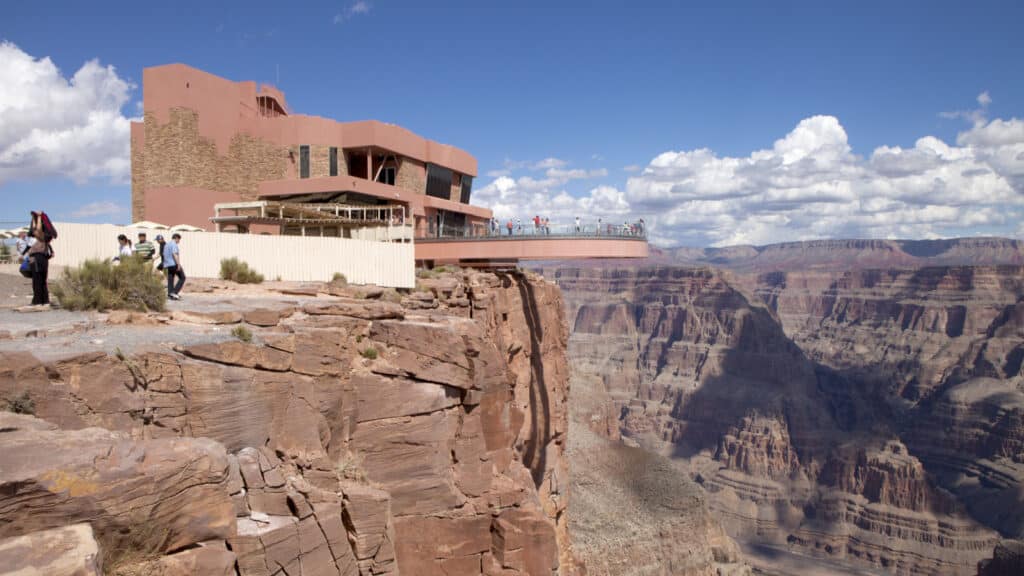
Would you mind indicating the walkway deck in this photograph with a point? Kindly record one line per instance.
(497, 250)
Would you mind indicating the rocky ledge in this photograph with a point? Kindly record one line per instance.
(364, 432)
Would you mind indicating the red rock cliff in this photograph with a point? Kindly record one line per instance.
(351, 436)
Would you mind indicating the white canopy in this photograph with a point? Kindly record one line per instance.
(148, 224)
(186, 228)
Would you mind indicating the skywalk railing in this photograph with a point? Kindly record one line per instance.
(527, 230)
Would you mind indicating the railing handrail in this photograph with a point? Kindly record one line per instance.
(633, 231)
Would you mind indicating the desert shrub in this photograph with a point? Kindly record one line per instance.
(445, 269)
(5, 252)
(102, 285)
(242, 333)
(339, 278)
(350, 467)
(391, 295)
(237, 271)
(425, 273)
(369, 353)
(135, 553)
(22, 404)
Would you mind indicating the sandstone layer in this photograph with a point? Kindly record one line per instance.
(797, 428)
(382, 434)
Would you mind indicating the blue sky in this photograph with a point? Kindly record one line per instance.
(599, 108)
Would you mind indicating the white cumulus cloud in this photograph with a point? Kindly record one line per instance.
(544, 194)
(808, 185)
(103, 208)
(51, 125)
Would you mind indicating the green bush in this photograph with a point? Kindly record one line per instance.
(5, 252)
(339, 278)
(369, 353)
(242, 333)
(237, 271)
(103, 285)
(22, 404)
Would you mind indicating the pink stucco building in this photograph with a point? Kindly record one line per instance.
(205, 140)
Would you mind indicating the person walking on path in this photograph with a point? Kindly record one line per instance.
(171, 262)
(577, 224)
(144, 248)
(124, 247)
(509, 226)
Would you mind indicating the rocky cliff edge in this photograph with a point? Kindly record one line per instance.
(353, 433)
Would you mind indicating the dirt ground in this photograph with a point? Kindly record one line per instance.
(15, 290)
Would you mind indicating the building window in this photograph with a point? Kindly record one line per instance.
(334, 160)
(387, 175)
(439, 181)
(303, 161)
(467, 189)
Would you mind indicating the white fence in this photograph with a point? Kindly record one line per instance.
(288, 257)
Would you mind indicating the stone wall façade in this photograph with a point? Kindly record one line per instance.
(175, 154)
(411, 175)
(138, 181)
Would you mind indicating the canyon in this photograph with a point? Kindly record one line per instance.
(837, 419)
(781, 412)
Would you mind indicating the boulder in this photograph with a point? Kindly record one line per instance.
(364, 309)
(244, 354)
(204, 560)
(265, 316)
(64, 551)
(197, 317)
(154, 495)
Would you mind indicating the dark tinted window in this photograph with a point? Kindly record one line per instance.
(303, 161)
(467, 189)
(387, 175)
(439, 181)
(334, 161)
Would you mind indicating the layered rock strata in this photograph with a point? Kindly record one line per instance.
(793, 456)
(935, 353)
(350, 436)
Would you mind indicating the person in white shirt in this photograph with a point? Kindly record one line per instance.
(124, 247)
(577, 224)
(23, 244)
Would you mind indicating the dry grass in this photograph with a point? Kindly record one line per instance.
(22, 404)
(350, 467)
(242, 333)
(237, 271)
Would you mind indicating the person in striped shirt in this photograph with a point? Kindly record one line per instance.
(144, 248)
